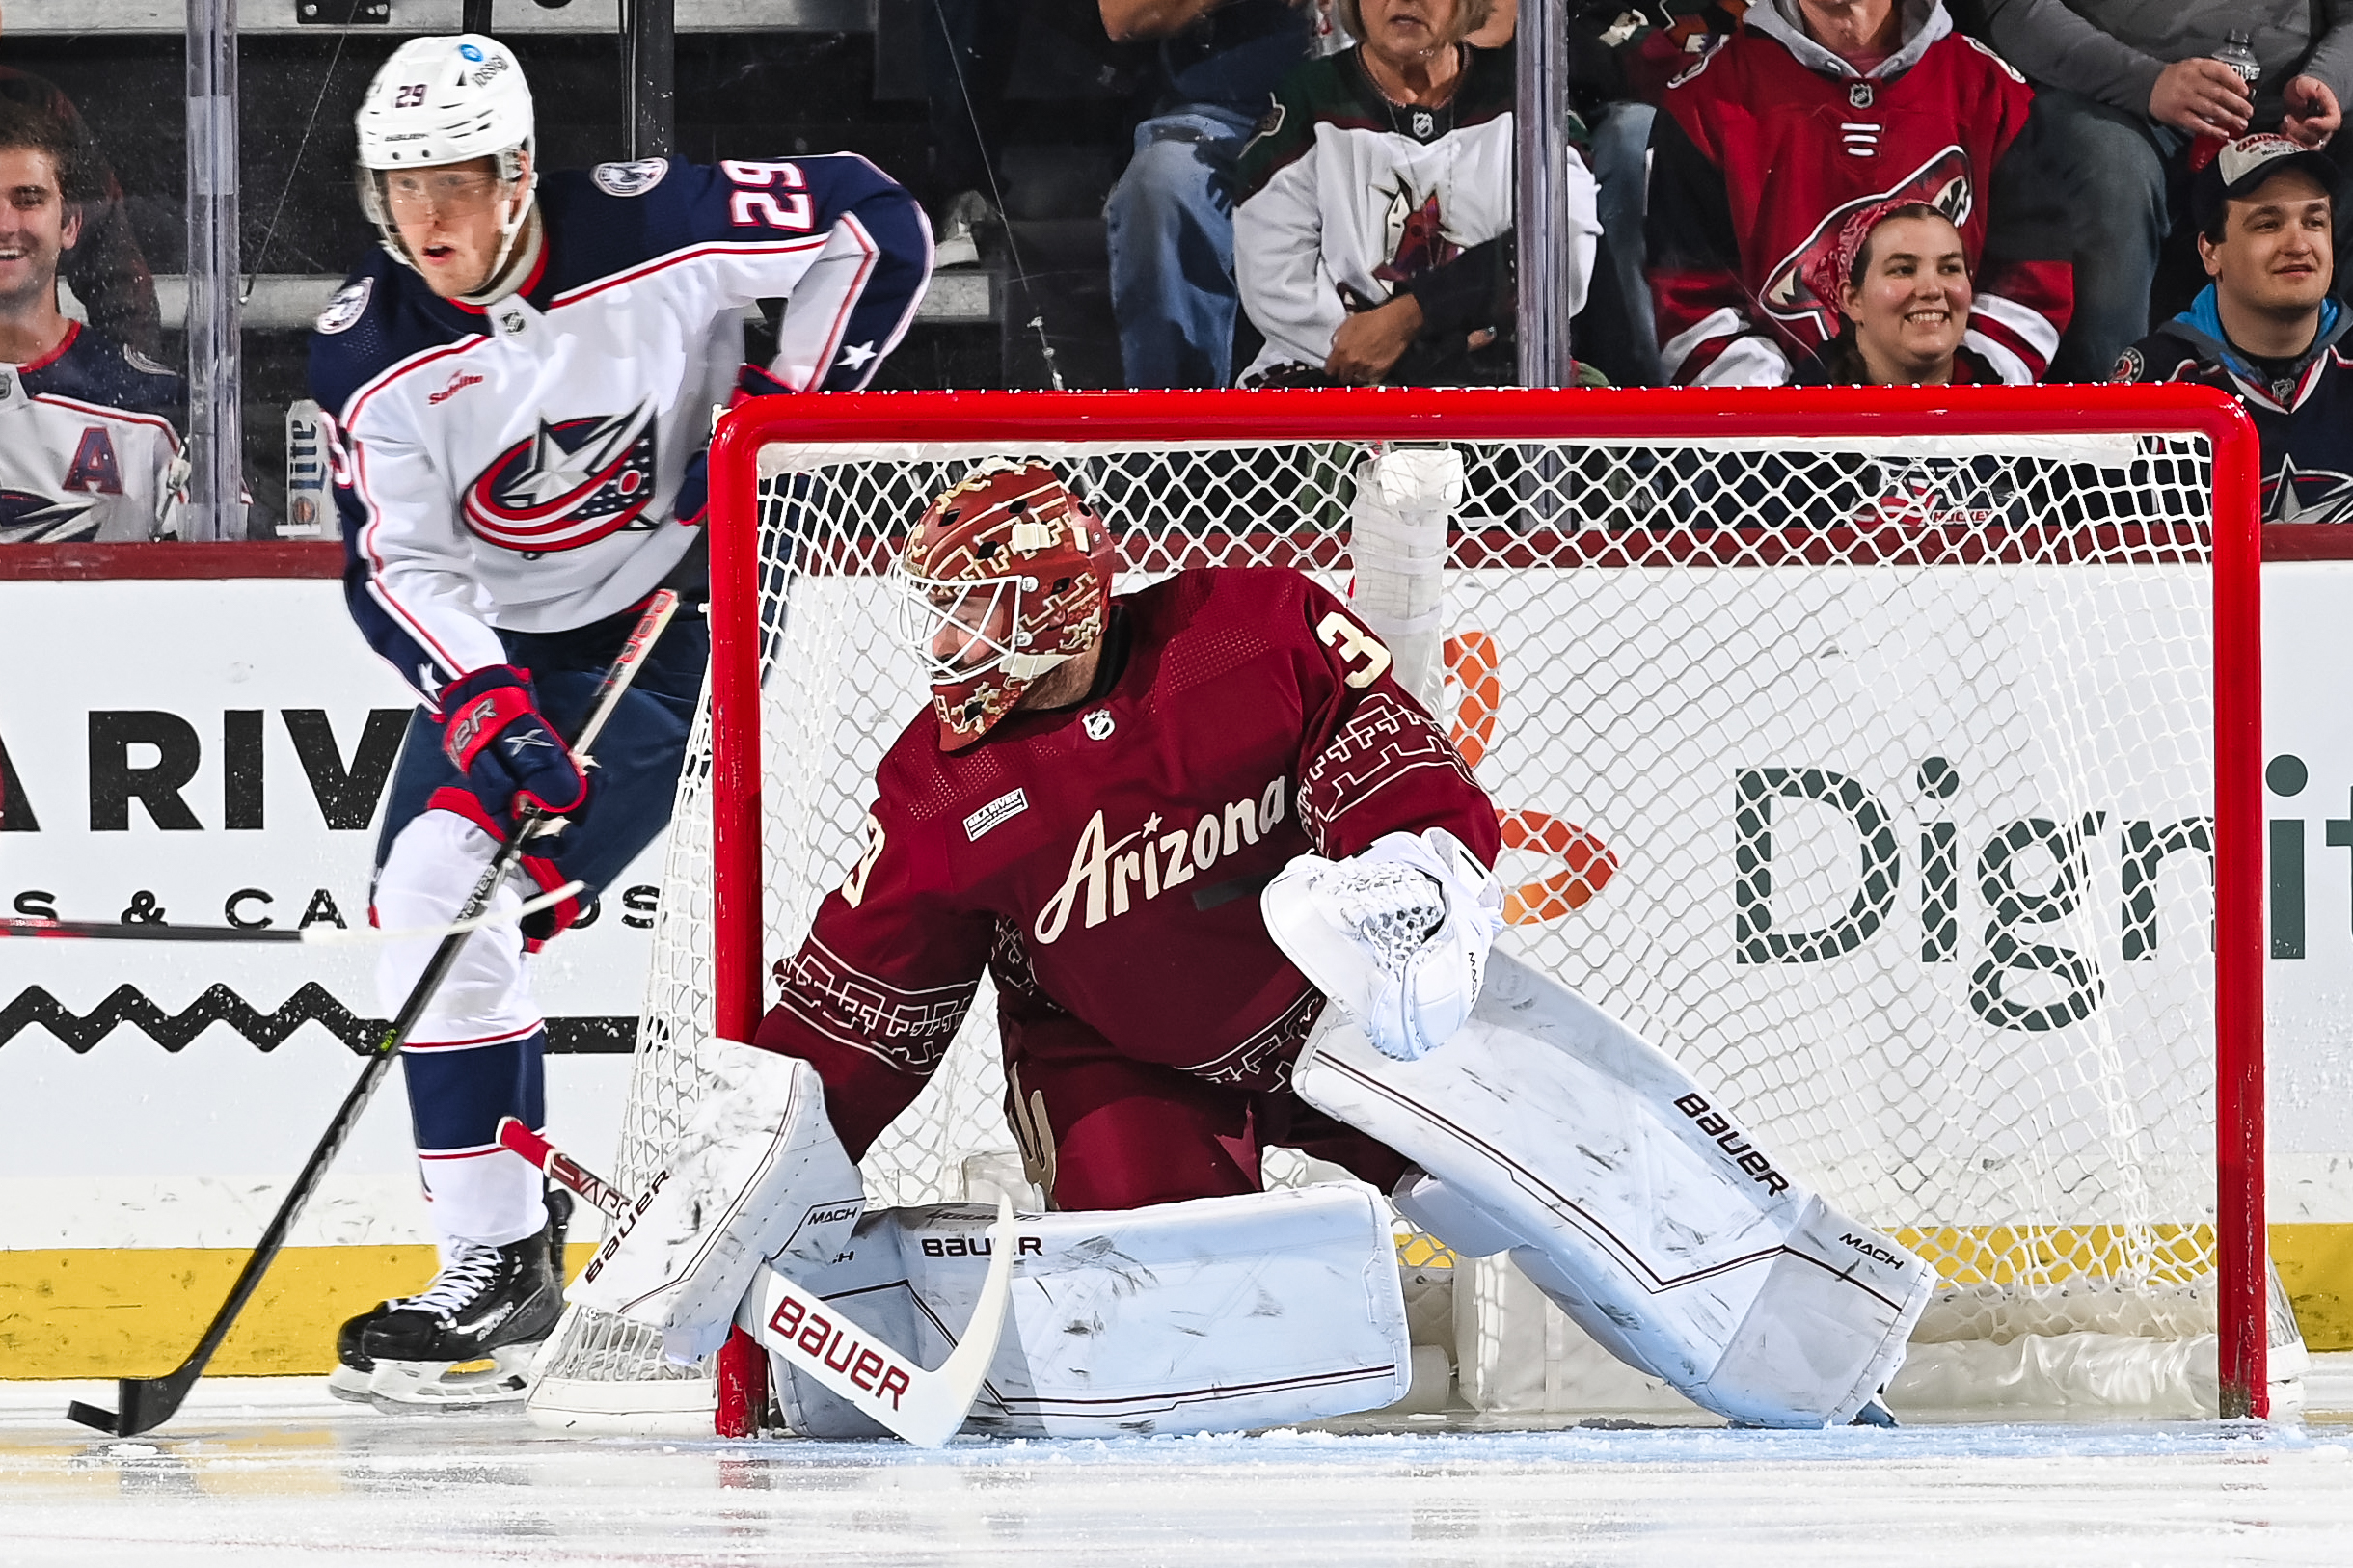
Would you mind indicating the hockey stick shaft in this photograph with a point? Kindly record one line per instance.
(147, 1402)
(104, 931)
(926, 1408)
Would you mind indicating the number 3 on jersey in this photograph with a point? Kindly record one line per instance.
(853, 889)
(756, 208)
(1353, 642)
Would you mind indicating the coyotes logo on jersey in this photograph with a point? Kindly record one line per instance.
(1943, 183)
(1416, 238)
(572, 483)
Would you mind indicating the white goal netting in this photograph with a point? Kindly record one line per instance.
(1874, 781)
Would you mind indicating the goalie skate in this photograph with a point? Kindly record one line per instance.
(470, 1337)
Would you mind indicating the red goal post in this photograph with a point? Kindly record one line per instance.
(1801, 419)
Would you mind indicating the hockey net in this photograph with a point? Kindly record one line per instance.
(1859, 749)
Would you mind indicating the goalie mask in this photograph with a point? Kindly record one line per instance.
(1006, 575)
(441, 102)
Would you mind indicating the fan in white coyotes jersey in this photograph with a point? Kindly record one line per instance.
(87, 449)
(519, 393)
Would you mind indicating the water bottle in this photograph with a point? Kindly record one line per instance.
(2238, 52)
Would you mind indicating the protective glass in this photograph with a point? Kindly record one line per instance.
(959, 629)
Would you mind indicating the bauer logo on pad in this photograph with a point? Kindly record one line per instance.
(1011, 803)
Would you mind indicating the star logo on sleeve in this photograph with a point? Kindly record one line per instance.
(858, 356)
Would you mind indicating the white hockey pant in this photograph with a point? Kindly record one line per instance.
(476, 1055)
(1218, 1315)
(757, 1174)
(1632, 1199)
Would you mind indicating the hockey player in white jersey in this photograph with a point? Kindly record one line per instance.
(87, 449)
(518, 391)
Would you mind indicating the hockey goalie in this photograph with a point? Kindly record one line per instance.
(1233, 886)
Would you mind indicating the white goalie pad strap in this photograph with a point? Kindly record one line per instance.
(1398, 935)
(757, 1173)
(1640, 1206)
(1404, 498)
(1215, 1316)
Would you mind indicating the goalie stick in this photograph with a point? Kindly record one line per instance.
(144, 1403)
(155, 930)
(925, 1408)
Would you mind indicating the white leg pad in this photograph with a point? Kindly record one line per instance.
(1215, 1316)
(1638, 1204)
(757, 1174)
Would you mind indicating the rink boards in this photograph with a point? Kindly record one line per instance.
(121, 1142)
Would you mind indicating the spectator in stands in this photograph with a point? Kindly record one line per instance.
(1374, 240)
(2126, 88)
(1623, 53)
(2268, 327)
(87, 449)
(104, 269)
(1813, 111)
(1170, 215)
(1900, 273)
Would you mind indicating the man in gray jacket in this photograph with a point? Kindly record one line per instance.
(2127, 87)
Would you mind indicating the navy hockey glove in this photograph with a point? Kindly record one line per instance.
(493, 732)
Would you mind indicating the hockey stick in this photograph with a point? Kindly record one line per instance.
(107, 930)
(925, 1408)
(148, 1402)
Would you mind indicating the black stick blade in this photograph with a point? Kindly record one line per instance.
(147, 1402)
(93, 1415)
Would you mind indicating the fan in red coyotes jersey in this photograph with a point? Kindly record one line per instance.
(1774, 139)
(1092, 825)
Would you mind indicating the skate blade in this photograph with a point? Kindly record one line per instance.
(503, 1378)
(349, 1383)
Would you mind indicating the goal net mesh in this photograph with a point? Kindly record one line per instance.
(1874, 781)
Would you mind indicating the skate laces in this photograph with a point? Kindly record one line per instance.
(466, 1276)
(1393, 908)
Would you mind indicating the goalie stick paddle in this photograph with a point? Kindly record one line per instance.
(925, 1408)
(144, 1403)
(155, 930)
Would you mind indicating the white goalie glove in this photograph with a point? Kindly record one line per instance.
(1398, 935)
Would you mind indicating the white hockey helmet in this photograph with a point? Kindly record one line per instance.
(441, 101)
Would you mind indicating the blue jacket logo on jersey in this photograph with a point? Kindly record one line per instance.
(572, 483)
(28, 519)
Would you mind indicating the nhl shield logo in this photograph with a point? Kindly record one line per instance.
(1859, 94)
(572, 483)
(1424, 122)
(630, 178)
(1097, 724)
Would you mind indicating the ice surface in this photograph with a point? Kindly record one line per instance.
(260, 1473)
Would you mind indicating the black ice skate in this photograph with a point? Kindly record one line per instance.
(488, 1306)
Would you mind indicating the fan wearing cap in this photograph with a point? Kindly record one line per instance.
(518, 383)
(1899, 273)
(2268, 330)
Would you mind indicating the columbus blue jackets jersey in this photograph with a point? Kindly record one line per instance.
(87, 449)
(2302, 409)
(538, 464)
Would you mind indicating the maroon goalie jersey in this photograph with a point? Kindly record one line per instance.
(1103, 861)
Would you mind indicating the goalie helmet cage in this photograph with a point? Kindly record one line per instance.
(1671, 586)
